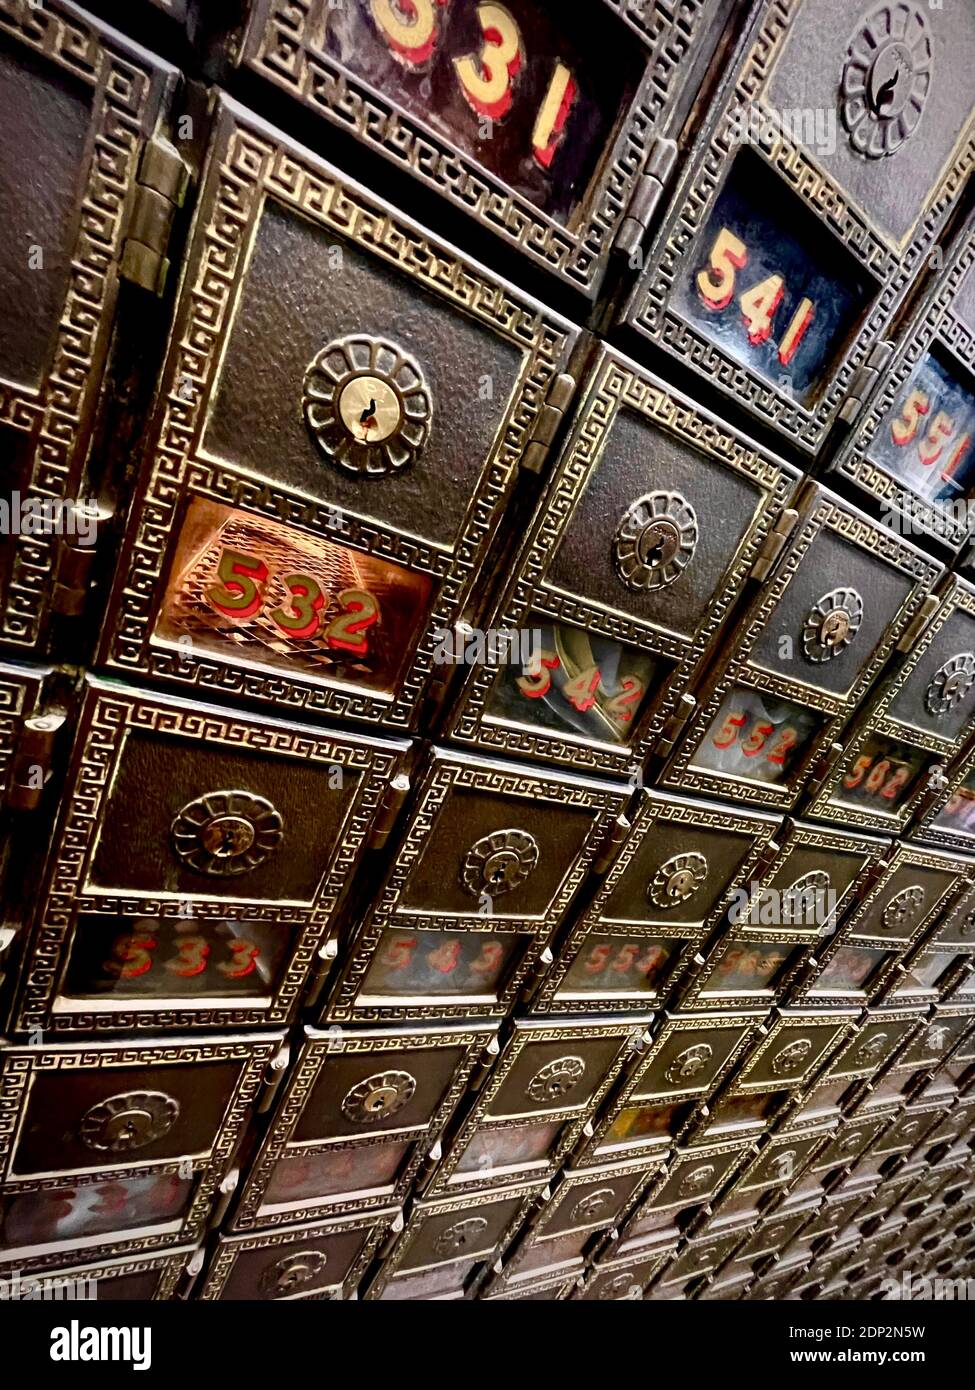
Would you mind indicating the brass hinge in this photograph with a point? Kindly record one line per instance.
(645, 199)
(485, 1062)
(824, 767)
(918, 626)
(864, 381)
(33, 759)
(773, 544)
(75, 559)
(389, 809)
(557, 397)
(161, 186)
(618, 832)
(273, 1076)
(674, 726)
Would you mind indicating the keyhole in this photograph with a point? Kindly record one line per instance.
(886, 94)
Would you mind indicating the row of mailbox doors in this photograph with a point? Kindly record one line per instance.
(123, 1151)
(211, 868)
(348, 404)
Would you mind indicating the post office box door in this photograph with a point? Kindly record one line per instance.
(874, 1043)
(532, 119)
(665, 891)
(623, 581)
(75, 1111)
(803, 655)
(909, 896)
(83, 101)
(692, 1178)
(816, 860)
(750, 281)
(593, 1200)
(546, 1083)
(355, 1120)
(958, 926)
(192, 837)
(318, 1261)
(485, 869)
(441, 1233)
(920, 469)
(334, 450)
(796, 1046)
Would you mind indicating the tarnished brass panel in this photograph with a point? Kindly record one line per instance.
(809, 203)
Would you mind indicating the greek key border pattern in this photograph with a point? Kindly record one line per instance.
(617, 385)
(245, 166)
(107, 719)
(933, 322)
(125, 94)
(285, 52)
(376, 1224)
(892, 268)
(303, 1078)
(442, 779)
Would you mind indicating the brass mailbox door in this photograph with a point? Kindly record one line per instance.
(331, 452)
(446, 1243)
(947, 1026)
(690, 1179)
(836, 149)
(946, 817)
(958, 927)
(914, 886)
(79, 104)
(923, 715)
(135, 1279)
(780, 1162)
(120, 1146)
(625, 575)
(911, 448)
(795, 1047)
(534, 118)
(664, 894)
(356, 1118)
(687, 1060)
(802, 658)
(199, 859)
(323, 1260)
(547, 1083)
(878, 1037)
(487, 865)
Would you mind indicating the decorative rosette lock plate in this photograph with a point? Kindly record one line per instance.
(367, 406)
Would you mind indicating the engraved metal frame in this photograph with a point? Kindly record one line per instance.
(616, 387)
(447, 772)
(388, 1047)
(249, 166)
(820, 512)
(878, 718)
(111, 713)
(743, 97)
(632, 1177)
(574, 1116)
(935, 322)
(129, 91)
(20, 1065)
(789, 1028)
(281, 43)
(654, 809)
(526, 1196)
(649, 1082)
(378, 1224)
(906, 856)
